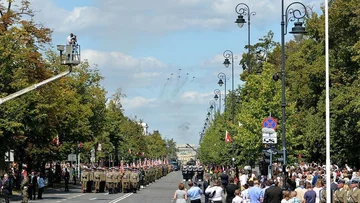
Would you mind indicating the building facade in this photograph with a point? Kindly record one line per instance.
(186, 152)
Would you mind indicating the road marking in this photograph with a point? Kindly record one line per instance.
(63, 194)
(93, 198)
(121, 198)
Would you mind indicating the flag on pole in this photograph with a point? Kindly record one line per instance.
(228, 137)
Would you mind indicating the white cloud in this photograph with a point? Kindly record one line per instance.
(118, 60)
(156, 16)
(138, 102)
(126, 71)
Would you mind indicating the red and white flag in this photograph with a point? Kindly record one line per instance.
(228, 137)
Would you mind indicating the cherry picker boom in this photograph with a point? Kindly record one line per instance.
(70, 58)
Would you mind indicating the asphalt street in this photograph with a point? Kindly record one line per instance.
(161, 191)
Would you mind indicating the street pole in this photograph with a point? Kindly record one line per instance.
(243, 9)
(283, 101)
(229, 54)
(297, 29)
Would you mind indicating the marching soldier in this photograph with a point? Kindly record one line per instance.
(116, 180)
(109, 181)
(340, 193)
(91, 180)
(190, 173)
(184, 172)
(134, 180)
(102, 180)
(125, 181)
(97, 179)
(200, 173)
(84, 179)
(24, 188)
(354, 193)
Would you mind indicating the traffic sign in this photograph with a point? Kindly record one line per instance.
(267, 140)
(72, 157)
(269, 122)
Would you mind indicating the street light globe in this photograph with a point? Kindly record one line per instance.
(220, 83)
(298, 30)
(240, 21)
(226, 63)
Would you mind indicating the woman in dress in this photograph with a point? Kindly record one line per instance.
(180, 194)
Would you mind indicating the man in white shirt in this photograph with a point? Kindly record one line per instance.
(71, 39)
(243, 179)
(217, 198)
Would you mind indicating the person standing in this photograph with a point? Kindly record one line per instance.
(41, 185)
(237, 198)
(217, 190)
(32, 186)
(180, 194)
(73, 173)
(206, 184)
(301, 190)
(24, 188)
(194, 193)
(230, 190)
(354, 192)
(273, 194)
(310, 194)
(254, 192)
(340, 193)
(66, 177)
(224, 180)
(5, 186)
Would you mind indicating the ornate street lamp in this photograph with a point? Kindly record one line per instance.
(212, 105)
(290, 14)
(230, 55)
(222, 81)
(243, 9)
(217, 96)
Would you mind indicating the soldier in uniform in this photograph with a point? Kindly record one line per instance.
(354, 193)
(84, 179)
(126, 181)
(142, 177)
(190, 173)
(116, 180)
(340, 193)
(184, 172)
(97, 180)
(109, 181)
(91, 180)
(200, 173)
(24, 188)
(102, 180)
(134, 180)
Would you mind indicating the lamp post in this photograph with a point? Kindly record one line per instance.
(212, 106)
(243, 9)
(230, 55)
(217, 96)
(222, 81)
(290, 14)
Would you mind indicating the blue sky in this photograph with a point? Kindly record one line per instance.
(138, 44)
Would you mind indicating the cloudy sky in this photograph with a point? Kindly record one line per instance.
(165, 55)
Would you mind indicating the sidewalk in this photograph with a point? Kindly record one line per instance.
(56, 188)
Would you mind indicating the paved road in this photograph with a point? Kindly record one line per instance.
(161, 191)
